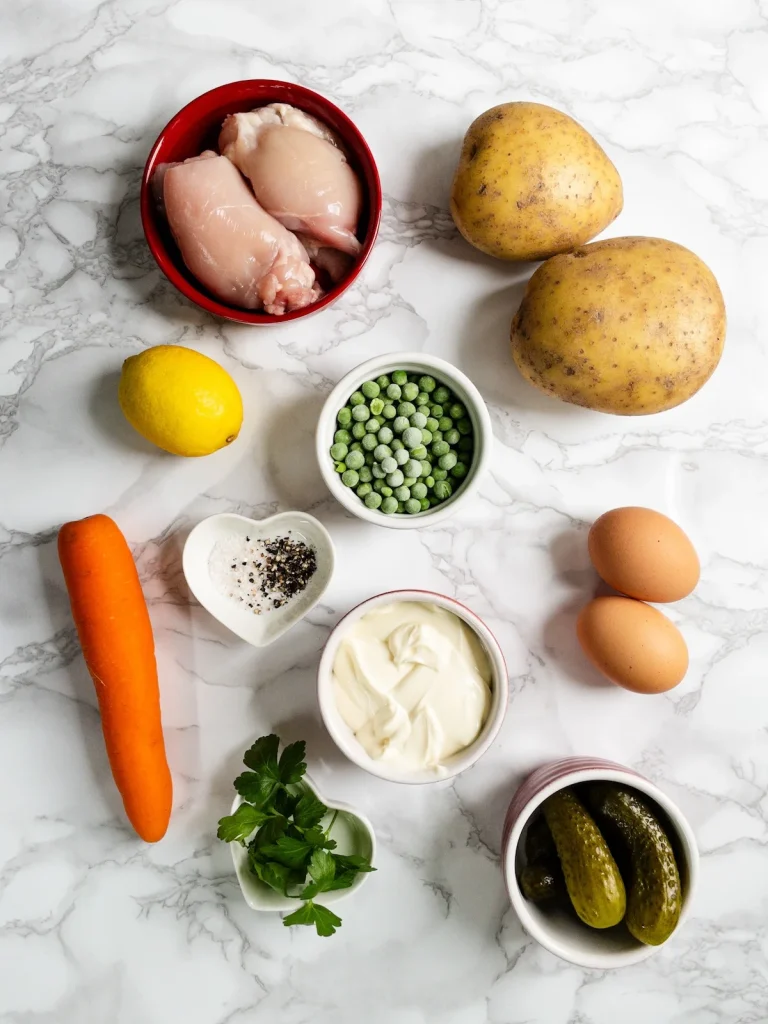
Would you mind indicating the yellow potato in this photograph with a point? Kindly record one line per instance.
(626, 325)
(531, 183)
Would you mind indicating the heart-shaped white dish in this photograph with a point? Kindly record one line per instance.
(353, 833)
(265, 628)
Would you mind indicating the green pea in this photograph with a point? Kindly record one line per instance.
(452, 436)
(439, 474)
(400, 507)
(339, 451)
(406, 409)
(424, 504)
(372, 500)
(421, 399)
(369, 458)
(400, 377)
(355, 447)
(459, 471)
(377, 407)
(411, 437)
(377, 472)
(445, 423)
(369, 442)
(412, 468)
(363, 490)
(409, 481)
(412, 506)
(361, 413)
(437, 435)
(402, 456)
(355, 460)
(402, 493)
(386, 491)
(395, 478)
(345, 416)
(400, 424)
(358, 430)
(440, 448)
(465, 426)
(378, 484)
(385, 435)
(426, 436)
(370, 389)
(394, 392)
(365, 474)
(419, 452)
(446, 461)
(381, 451)
(457, 411)
(410, 391)
(342, 437)
(426, 467)
(419, 490)
(388, 506)
(389, 411)
(418, 419)
(340, 467)
(350, 478)
(432, 423)
(466, 444)
(427, 383)
(372, 425)
(383, 382)
(442, 490)
(357, 398)
(430, 482)
(396, 444)
(388, 464)
(437, 411)
(442, 395)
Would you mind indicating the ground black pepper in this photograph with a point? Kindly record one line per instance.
(281, 568)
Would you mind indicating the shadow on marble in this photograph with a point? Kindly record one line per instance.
(105, 411)
(291, 462)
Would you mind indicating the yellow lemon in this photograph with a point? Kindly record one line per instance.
(180, 400)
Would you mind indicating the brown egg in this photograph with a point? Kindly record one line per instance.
(633, 644)
(643, 554)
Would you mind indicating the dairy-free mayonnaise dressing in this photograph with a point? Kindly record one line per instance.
(412, 682)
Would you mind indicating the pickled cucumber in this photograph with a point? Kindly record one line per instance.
(654, 889)
(539, 883)
(541, 880)
(592, 878)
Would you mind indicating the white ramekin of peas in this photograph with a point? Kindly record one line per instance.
(403, 439)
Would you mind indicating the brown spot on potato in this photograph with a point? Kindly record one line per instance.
(481, 191)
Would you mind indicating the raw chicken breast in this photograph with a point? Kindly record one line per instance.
(297, 173)
(335, 263)
(231, 245)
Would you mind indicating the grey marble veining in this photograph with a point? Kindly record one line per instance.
(96, 928)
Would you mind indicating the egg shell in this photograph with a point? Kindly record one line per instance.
(633, 644)
(643, 554)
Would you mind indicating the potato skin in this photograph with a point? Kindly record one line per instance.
(531, 182)
(627, 325)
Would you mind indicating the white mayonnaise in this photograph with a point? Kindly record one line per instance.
(412, 682)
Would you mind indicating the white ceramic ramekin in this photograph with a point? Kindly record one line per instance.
(343, 735)
(563, 934)
(412, 362)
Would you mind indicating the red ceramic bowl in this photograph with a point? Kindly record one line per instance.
(196, 127)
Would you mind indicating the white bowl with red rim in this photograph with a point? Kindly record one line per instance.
(560, 932)
(345, 738)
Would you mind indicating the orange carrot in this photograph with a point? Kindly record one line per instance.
(115, 633)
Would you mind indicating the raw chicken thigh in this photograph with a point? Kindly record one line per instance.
(233, 246)
(297, 173)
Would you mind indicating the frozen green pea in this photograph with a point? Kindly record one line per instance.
(345, 416)
(366, 474)
(388, 506)
(381, 451)
(389, 411)
(411, 437)
(442, 490)
(372, 500)
(358, 430)
(356, 446)
(452, 436)
(357, 398)
(418, 419)
(439, 474)
(340, 467)
(378, 484)
(400, 377)
(412, 506)
(459, 471)
(396, 444)
(464, 426)
(412, 468)
(386, 490)
(419, 490)
(339, 451)
(457, 411)
(388, 464)
(355, 460)
(395, 477)
(342, 437)
(427, 383)
(419, 452)
(363, 490)
(372, 425)
(421, 399)
(402, 456)
(465, 444)
(369, 442)
(432, 423)
(361, 413)
(350, 478)
(402, 493)
(394, 392)
(400, 424)
(426, 467)
(410, 391)
(377, 472)
(409, 481)
(424, 504)
(441, 395)
(383, 382)
(440, 448)
(430, 482)
(369, 458)
(377, 407)
(370, 389)
(437, 411)
(385, 435)
(406, 409)
(445, 423)
(400, 506)
(446, 461)
(426, 436)
(437, 435)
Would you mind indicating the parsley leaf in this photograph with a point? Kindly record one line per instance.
(276, 876)
(324, 920)
(262, 757)
(309, 811)
(343, 880)
(285, 802)
(292, 765)
(269, 832)
(316, 837)
(321, 867)
(238, 826)
(256, 789)
(294, 853)
(343, 862)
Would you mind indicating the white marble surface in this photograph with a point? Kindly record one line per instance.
(96, 928)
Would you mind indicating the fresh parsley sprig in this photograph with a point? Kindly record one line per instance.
(280, 825)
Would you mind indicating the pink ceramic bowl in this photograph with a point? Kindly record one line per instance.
(343, 735)
(562, 933)
(196, 127)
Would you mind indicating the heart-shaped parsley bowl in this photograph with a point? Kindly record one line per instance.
(354, 837)
(224, 533)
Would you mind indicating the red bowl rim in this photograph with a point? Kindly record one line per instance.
(211, 305)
